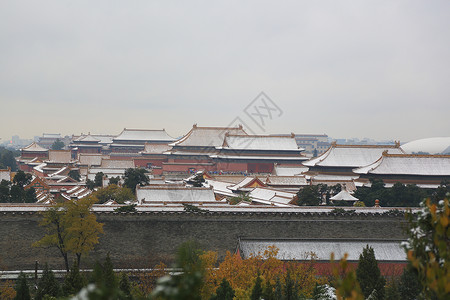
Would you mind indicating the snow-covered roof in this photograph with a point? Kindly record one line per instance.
(88, 139)
(343, 196)
(51, 135)
(260, 142)
(60, 156)
(145, 135)
(271, 196)
(409, 164)
(435, 145)
(384, 250)
(246, 182)
(286, 170)
(117, 163)
(351, 155)
(110, 172)
(207, 136)
(152, 148)
(34, 147)
(176, 193)
(286, 180)
(91, 159)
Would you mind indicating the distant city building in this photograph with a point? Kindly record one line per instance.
(47, 139)
(312, 142)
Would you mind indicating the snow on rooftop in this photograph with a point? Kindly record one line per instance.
(300, 249)
(207, 136)
(60, 156)
(260, 142)
(117, 163)
(147, 135)
(409, 164)
(285, 170)
(351, 155)
(343, 196)
(34, 147)
(152, 148)
(176, 193)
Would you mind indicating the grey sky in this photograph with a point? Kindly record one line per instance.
(377, 69)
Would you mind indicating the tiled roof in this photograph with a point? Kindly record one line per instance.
(286, 170)
(409, 164)
(33, 147)
(260, 142)
(117, 163)
(384, 250)
(146, 135)
(168, 193)
(207, 136)
(152, 148)
(89, 159)
(286, 180)
(60, 156)
(351, 155)
(344, 196)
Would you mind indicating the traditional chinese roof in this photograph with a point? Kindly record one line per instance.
(143, 135)
(175, 193)
(60, 156)
(408, 164)
(352, 155)
(343, 196)
(297, 249)
(88, 139)
(260, 142)
(247, 183)
(207, 136)
(117, 163)
(288, 170)
(286, 180)
(33, 147)
(91, 159)
(152, 148)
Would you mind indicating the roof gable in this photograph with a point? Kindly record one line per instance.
(260, 142)
(34, 147)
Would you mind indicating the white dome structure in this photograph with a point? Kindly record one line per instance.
(435, 145)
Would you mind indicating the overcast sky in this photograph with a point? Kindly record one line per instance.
(378, 69)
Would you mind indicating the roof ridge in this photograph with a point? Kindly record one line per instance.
(417, 155)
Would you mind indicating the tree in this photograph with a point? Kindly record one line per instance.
(114, 180)
(7, 159)
(135, 176)
(5, 187)
(115, 193)
(410, 286)
(74, 174)
(73, 282)
(224, 291)
(309, 195)
(428, 248)
(58, 145)
(21, 178)
(186, 285)
(90, 184)
(257, 291)
(71, 227)
(48, 285)
(369, 275)
(22, 289)
(124, 286)
(98, 180)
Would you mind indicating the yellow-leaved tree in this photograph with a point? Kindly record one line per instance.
(72, 228)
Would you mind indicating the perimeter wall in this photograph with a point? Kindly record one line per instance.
(139, 240)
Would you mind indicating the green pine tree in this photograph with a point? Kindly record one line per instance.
(73, 282)
(48, 285)
(368, 274)
(268, 292)
(392, 291)
(410, 286)
(124, 286)
(109, 278)
(22, 289)
(278, 289)
(289, 287)
(257, 289)
(224, 291)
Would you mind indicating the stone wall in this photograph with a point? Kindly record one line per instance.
(137, 240)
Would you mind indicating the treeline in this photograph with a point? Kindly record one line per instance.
(399, 195)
